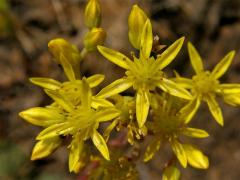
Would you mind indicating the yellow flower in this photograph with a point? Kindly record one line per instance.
(78, 119)
(205, 85)
(144, 74)
(169, 125)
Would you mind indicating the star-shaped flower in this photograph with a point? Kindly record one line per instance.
(144, 74)
(168, 126)
(205, 85)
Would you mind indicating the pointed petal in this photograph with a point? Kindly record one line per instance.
(171, 173)
(114, 88)
(60, 100)
(146, 40)
(232, 99)
(188, 111)
(230, 88)
(95, 80)
(106, 114)
(86, 94)
(195, 58)
(183, 82)
(100, 144)
(45, 147)
(142, 107)
(169, 54)
(109, 129)
(76, 149)
(46, 83)
(223, 65)
(40, 116)
(195, 157)
(67, 67)
(215, 109)
(52, 131)
(193, 132)
(152, 148)
(114, 56)
(179, 152)
(99, 102)
(174, 89)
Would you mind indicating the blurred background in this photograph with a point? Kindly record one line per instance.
(26, 26)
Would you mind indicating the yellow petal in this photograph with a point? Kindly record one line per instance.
(223, 65)
(230, 88)
(45, 147)
(179, 152)
(60, 100)
(67, 67)
(142, 107)
(136, 21)
(169, 54)
(99, 102)
(76, 149)
(189, 110)
(100, 144)
(40, 116)
(193, 132)
(109, 129)
(195, 157)
(95, 80)
(46, 83)
(215, 109)
(174, 89)
(232, 99)
(106, 114)
(171, 173)
(146, 40)
(114, 88)
(183, 82)
(52, 131)
(92, 14)
(195, 58)
(152, 148)
(114, 56)
(86, 94)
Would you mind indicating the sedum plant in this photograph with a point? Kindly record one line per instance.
(106, 130)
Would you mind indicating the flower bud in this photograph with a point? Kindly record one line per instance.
(136, 21)
(92, 14)
(93, 38)
(60, 47)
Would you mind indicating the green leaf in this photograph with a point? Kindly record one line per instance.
(95, 80)
(40, 116)
(195, 157)
(45, 147)
(152, 148)
(100, 144)
(214, 109)
(195, 58)
(179, 152)
(114, 56)
(146, 40)
(169, 54)
(193, 132)
(223, 65)
(114, 88)
(46, 83)
(142, 107)
(171, 173)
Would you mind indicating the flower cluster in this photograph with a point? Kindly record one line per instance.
(160, 108)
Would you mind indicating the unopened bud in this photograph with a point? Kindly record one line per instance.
(93, 38)
(60, 47)
(92, 14)
(136, 21)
